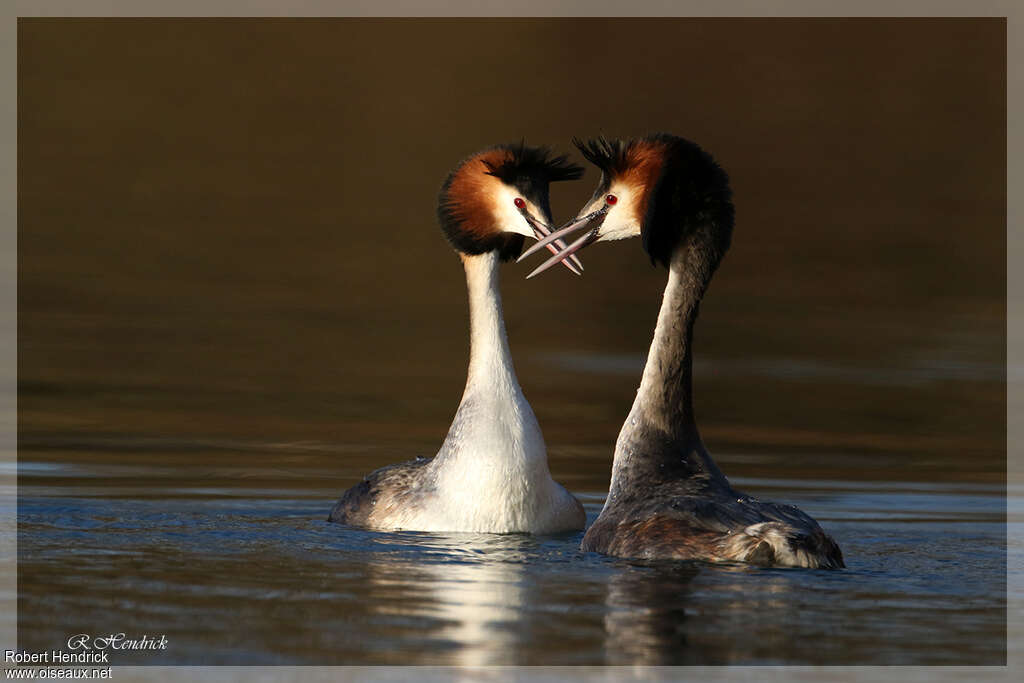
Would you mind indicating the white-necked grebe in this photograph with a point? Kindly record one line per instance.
(491, 473)
(667, 498)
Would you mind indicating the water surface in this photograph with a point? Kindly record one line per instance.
(252, 573)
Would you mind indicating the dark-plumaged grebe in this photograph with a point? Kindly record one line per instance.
(491, 473)
(667, 498)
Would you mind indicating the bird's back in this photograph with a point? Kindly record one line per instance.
(376, 496)
(720, 526)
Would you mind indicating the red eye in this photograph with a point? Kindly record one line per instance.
(611, 199)
(520, 204)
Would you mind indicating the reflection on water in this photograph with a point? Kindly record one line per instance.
(477, 591)
(659, 616)
(647, 618)
(483, 605)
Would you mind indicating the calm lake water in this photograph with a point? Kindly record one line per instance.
(235, 563)
(234, 302)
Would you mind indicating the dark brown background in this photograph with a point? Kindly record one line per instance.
(226, 230)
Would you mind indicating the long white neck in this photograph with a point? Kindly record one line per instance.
(489, 358)
(494, 423)
(491, 473)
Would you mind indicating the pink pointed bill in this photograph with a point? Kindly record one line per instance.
(567, 252)
(592, 222)
(554, 245)
(567, 229)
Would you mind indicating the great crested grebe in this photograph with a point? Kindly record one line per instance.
(491, 473)
(667, 498)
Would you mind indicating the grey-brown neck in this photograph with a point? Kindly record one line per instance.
(659, 440)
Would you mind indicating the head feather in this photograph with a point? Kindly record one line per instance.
(611, 156)
(532, 162)
(682, 191)
(465, 202)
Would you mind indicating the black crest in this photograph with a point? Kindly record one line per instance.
(611, 156)
(535, 163)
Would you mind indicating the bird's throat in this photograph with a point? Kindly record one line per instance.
(490, 360)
